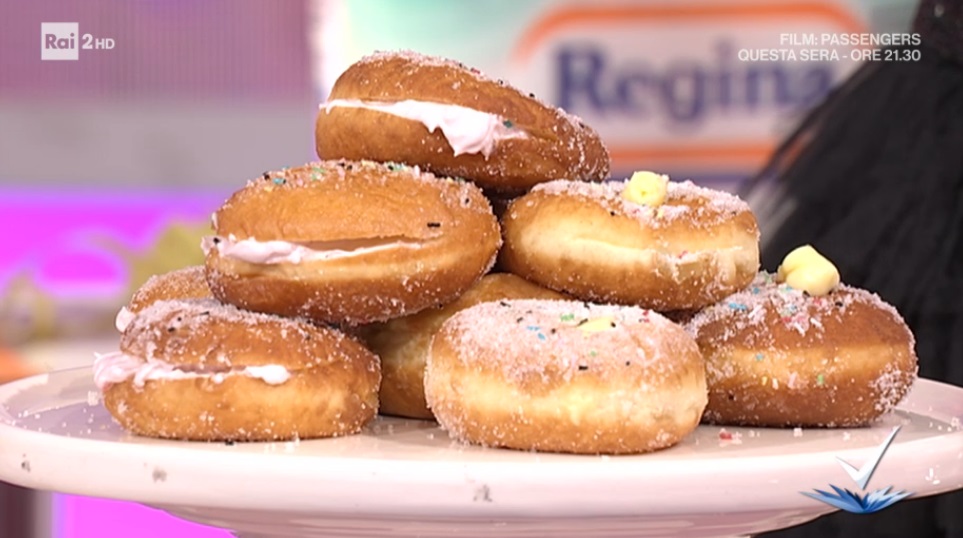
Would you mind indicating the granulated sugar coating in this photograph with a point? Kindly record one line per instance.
(588, 241)
(700, 207)
(350, 242)
(185, 283)
(343, 180)
(451, 119)
(564, 337)
(776, 356)
(418, 60)
(745, 314)
(204, 332)
(565, 376)
(201, 370)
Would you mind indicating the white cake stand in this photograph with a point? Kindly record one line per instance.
(406, 478)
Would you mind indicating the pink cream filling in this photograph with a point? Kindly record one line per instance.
(117, 367)
(274, 251)
(466, 129)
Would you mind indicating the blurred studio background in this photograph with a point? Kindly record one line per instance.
(111, 165)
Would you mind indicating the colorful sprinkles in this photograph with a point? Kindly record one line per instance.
(605, 340)
(538, 332)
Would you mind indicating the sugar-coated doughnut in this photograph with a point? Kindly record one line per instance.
(185, 283)
(350, 242)
(453, 121)
(402, 343)
(565, 376)
(200, 370)
(776, 356)
(587, 240)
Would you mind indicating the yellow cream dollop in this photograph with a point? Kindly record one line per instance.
(806, 269)
(647, 188)
(605, 323)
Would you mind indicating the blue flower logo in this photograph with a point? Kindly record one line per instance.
(868, 503)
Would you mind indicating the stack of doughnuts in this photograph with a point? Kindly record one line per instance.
(364, 282)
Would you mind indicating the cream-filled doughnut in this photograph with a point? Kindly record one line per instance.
(402, 343)
(350, 242)
(200, 370)
(453, 121)
(565, 376)
(594, 242)
(779, 356)
(186, 283)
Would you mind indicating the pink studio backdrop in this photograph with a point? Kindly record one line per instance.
(169, 53)
(80, 517)
(65, 249)
(61, 252)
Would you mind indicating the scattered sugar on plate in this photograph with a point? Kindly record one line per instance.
(729, 438)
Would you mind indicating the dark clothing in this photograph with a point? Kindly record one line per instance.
(873, 179)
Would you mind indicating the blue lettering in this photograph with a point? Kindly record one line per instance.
(631, 91)
(684, 92)
(757, 78)
(722, 85)
(580, 73)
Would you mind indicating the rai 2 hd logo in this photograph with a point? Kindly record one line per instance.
(63, 41)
